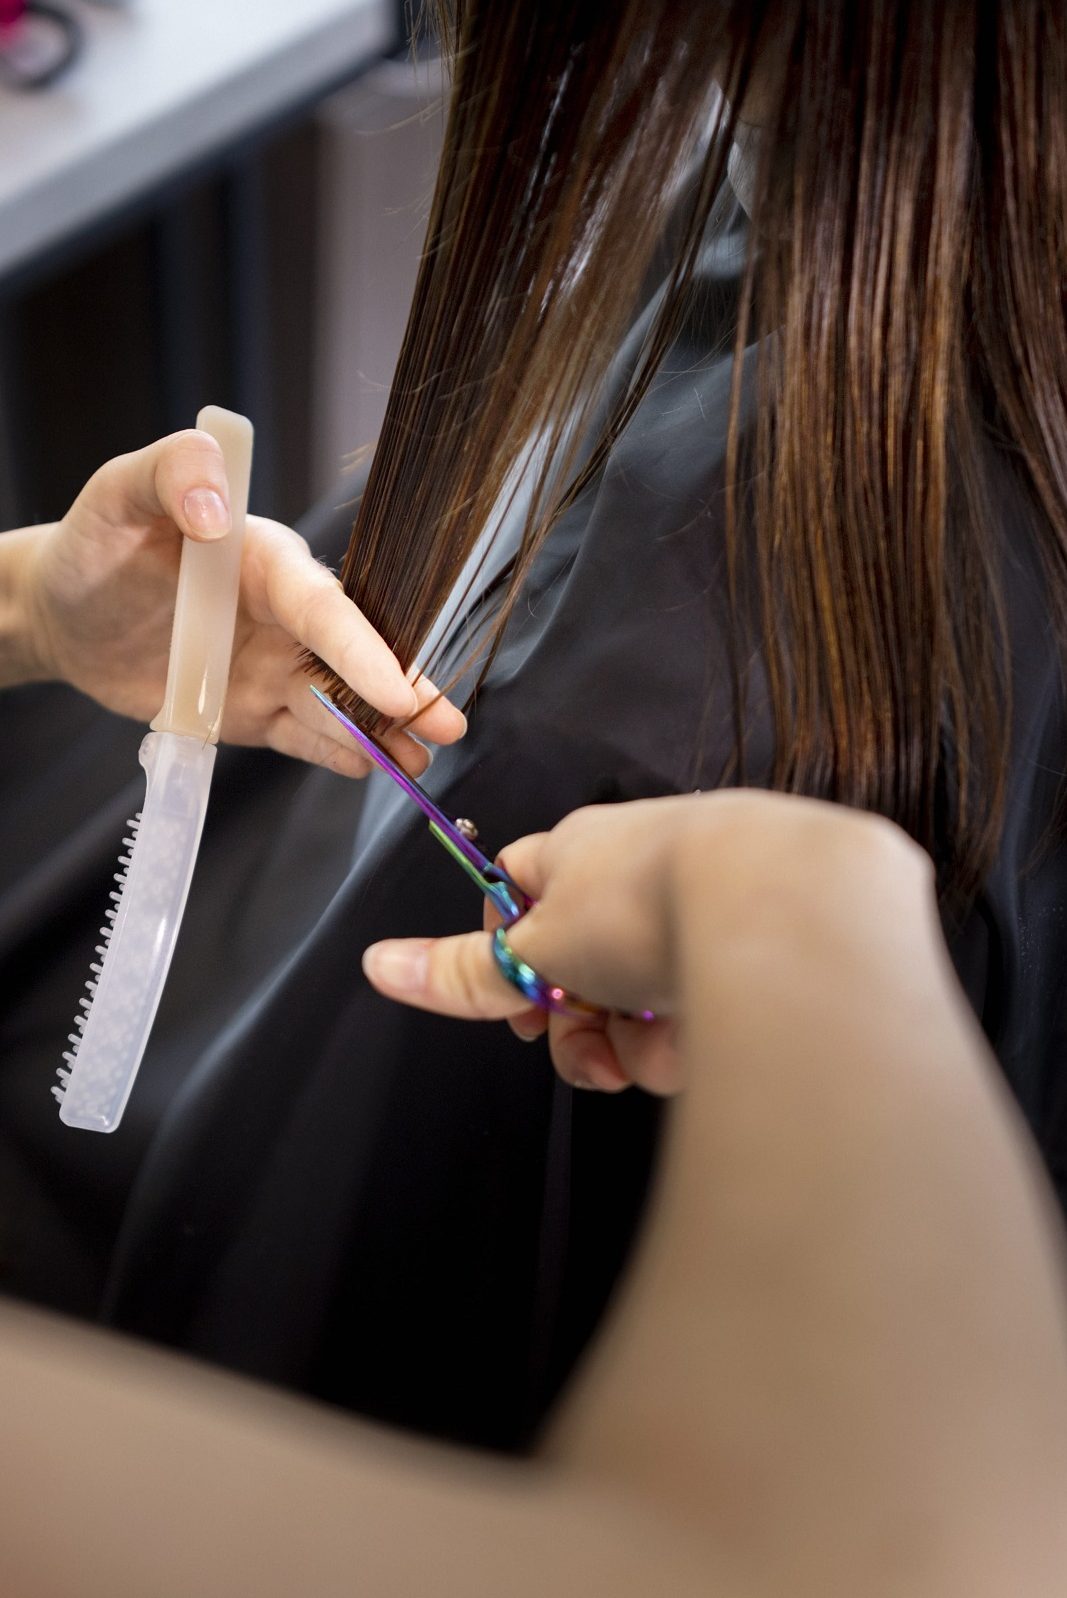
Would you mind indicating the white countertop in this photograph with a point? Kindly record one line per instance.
(163, 83)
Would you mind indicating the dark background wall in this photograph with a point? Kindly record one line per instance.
(207, 296)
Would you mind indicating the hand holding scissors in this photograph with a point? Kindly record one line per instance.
(606, 886)
(606, 1044)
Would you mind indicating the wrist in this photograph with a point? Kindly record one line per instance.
(23, 645)
(765, 878)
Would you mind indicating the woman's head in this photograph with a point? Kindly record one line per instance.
(905, 294)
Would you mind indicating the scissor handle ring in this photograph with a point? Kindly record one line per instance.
(544, 994)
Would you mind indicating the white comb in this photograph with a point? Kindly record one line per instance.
(156, 867)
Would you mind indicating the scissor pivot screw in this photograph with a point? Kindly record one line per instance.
(467, 828)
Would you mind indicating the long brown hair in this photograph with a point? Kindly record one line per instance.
(905, 290)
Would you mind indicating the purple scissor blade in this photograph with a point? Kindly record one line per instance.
(414, 791)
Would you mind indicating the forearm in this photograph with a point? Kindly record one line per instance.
(816, 1359)
(19, 657)
(128, 1471)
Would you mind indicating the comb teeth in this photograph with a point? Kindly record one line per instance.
(85, 1002)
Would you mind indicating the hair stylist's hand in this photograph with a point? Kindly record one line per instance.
(606, 879)
(98, 590)
(600, 928)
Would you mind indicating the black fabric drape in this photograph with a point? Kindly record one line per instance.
(405, 1215)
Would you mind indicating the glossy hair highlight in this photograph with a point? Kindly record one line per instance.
(905, 292)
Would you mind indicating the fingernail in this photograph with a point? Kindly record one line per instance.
(584, 1084)
(400, 965)
(206, 512)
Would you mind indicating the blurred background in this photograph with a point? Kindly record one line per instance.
(201, 202)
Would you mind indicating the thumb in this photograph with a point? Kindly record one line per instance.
(452, 976)
(182, 477)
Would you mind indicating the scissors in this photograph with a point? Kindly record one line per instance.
(503, 892)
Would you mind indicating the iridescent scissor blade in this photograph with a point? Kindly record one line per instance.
(433, 812)
(511, 901)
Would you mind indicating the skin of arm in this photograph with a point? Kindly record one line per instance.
(840, 1364)
(17, 663)
(132, 1472)
(844, 1352)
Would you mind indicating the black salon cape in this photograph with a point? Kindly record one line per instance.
(405, 1215)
